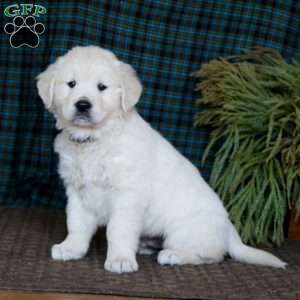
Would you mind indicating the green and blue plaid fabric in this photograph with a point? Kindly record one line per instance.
(164, 40)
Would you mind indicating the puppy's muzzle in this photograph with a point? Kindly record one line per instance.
(83, 106)
(83, 111)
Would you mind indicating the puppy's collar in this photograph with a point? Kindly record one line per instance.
(85, 140)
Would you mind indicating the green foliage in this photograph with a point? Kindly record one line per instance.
(252, 104)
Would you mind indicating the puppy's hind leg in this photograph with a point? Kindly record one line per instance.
(183, 257)
(81, 225)
(188, 244)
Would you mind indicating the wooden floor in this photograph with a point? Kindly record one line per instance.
(13, 295)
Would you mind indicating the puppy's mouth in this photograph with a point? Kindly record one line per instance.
(82, 119)
(85, 120)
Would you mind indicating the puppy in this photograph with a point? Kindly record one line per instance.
(121, 173)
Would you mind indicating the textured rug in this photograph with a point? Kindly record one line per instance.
(26, 236)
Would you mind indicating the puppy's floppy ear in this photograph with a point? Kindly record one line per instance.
(131, 86)
(45, 85)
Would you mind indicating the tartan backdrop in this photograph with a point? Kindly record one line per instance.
(164, 40)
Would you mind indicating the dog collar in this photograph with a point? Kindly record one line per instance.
(87, 139)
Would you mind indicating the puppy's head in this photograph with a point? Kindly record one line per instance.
(88, 85)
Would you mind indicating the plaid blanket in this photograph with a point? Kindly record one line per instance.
(164, 40)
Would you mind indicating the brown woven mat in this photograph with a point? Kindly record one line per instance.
(27, 234)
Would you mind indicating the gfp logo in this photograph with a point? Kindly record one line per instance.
(24, 30)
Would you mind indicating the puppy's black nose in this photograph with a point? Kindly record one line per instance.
(83, 105)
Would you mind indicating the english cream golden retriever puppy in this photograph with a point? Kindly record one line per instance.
(119, 172)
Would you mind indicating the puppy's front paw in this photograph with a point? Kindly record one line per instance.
(121, 265)
(66, 251)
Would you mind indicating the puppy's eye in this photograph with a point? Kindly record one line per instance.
(71, 84)
(101, 87)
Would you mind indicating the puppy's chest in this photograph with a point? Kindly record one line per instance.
(86, 168)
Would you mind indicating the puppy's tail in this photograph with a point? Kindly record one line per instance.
(244, 253)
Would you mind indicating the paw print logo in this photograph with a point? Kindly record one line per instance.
(24, 32)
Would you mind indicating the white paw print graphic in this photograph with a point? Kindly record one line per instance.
(24, 32)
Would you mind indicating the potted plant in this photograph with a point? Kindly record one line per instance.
(251, 103)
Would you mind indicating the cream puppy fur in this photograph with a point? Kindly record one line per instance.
(119, 172)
